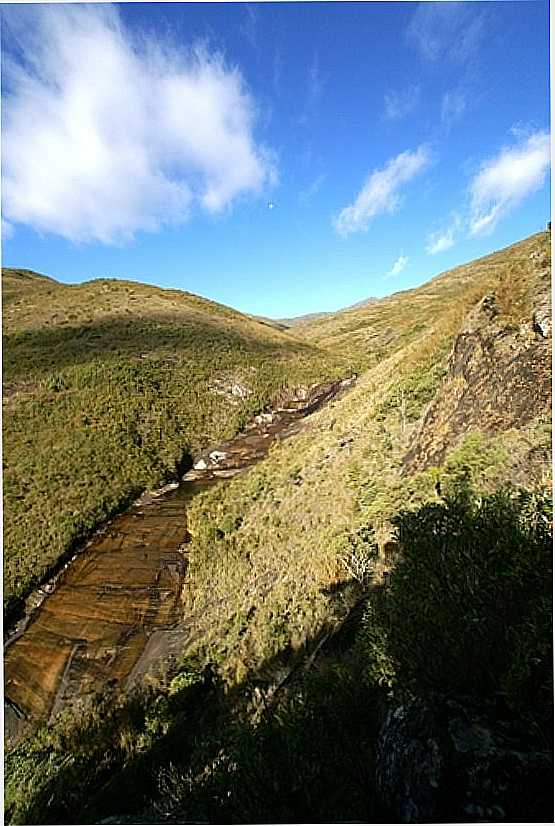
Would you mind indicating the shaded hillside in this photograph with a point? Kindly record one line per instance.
(108, 387)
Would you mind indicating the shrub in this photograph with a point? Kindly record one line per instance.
(468, 607)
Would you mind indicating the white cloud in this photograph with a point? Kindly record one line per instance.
(399, 104)
(440, 241)
(398, 266)
(105, 135)
(447, 30)
(380, 193)
(444, 239)
(7, 230)
(504, 181)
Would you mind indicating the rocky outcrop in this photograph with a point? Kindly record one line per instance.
(499, 377)
(453, 760)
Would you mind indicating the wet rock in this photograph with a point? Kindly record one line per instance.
(453, 760)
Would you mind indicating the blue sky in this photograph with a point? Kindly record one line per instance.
(281, 158)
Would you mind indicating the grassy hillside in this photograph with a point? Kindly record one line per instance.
(358, 564)
(108, 386)
(380, 328)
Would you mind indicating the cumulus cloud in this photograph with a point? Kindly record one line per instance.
(380, 193)
(447, 31)
(505, 180)
(398, 266)
(444, 239)
(105, 134)
(398, 104)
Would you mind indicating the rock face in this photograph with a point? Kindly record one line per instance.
(498, 378)
(451, 760)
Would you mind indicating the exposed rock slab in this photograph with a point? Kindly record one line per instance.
(117, 606)
(498, 378)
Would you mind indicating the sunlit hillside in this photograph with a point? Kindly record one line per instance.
(108, 387)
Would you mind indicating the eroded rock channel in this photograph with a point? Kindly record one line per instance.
(116, 609)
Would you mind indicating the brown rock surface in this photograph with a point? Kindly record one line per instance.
(499, 377)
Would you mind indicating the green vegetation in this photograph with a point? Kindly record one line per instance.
(467, 609)
(322, 584)
(108, 387)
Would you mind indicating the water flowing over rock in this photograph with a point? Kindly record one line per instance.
(117, 607)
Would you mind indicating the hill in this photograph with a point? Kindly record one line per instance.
(367, 612)
(385, 326)
(297, 321)
(109, 387)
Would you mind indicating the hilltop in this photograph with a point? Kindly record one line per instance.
(308, 318)
(380, 582)
(109, 387)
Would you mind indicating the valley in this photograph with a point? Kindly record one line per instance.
(292, 630)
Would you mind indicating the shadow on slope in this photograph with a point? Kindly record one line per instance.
(166, 334)
(435, 707)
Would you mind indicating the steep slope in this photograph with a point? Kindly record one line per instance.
(108, 387)
(385, 446)
(377, 329)
(499, 372)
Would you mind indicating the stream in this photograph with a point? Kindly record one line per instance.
(115, 610)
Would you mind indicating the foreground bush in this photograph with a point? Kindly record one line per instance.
(468, 607)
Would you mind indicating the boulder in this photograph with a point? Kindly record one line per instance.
(200, 465)
(240, 391)
(542, 320)
(455, 760)
(217, 456)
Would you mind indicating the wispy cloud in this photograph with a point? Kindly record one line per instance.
(381, 191)
(306, 195)
(398, 266)
(315, 86)
(105, 135)
(7, 230)
(249, 25)
(505, 180)
(277, 70)
(445, 238)
(400, 103)
(447, 30)
(453, 106)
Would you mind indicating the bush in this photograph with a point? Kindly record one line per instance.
(468, 607)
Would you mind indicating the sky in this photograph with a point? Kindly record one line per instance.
(280, 158)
